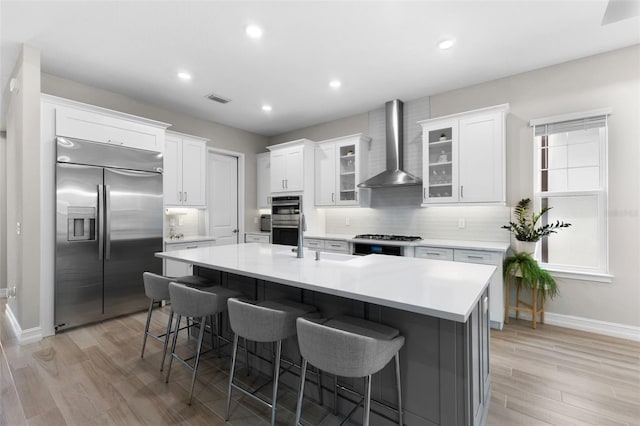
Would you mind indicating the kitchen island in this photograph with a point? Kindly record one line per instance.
(439, 306)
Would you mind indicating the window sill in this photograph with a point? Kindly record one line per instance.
(582, 276)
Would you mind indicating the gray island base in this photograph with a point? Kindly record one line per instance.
(445, 360)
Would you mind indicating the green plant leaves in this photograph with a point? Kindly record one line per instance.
(525, 229)
(532, 274)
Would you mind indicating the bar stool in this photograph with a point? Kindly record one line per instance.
(198, 304)
(268, 321)
(349, 347)
(156, 288)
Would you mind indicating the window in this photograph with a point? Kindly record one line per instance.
(570, 175)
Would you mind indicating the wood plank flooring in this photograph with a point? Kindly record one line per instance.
(94, 376)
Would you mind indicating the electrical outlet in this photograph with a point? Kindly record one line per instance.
(461, 223)
(180, 220)
(18, 228)
(347, 221)
(172, 221)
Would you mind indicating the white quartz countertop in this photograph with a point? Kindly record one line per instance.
(460, 244)
(188, 239)
(448, 290)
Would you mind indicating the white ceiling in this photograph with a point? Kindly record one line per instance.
(379, 50)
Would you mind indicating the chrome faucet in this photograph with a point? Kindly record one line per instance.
(302, 226)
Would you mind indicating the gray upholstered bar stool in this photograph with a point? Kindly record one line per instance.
(156, 288)
(198, 304)
(349, 347)
(268, 321)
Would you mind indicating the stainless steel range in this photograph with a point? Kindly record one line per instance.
(382, 244)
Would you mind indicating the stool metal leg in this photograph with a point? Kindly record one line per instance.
(276, 376)
(231, 373)
(303, 373)
(173, 346)
(319, 378)
(367, 400)
(146, 328)
(246, 355)
(335, 395)
(197, 361)
(397, 358)
(166, 340)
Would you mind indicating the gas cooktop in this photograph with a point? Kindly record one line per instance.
(382, 237)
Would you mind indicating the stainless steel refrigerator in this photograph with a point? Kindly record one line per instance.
(108, 227)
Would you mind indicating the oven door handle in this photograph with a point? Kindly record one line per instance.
(284, 226)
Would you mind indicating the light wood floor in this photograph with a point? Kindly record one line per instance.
(94, 375)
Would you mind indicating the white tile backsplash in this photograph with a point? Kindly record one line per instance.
(482, 223)
(186, 221)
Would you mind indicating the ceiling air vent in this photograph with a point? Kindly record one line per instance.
(217, 98)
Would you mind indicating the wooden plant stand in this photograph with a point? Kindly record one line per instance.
(534, 308)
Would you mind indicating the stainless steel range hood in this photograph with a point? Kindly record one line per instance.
(393, 175)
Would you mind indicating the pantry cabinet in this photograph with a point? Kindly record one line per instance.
(291, 163)
(339, 166)
(464, 157)
(184, 170)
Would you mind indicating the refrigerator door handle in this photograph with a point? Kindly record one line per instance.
(99, 226)
(107, 222)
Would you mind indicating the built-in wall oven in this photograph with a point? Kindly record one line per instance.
(285, 219)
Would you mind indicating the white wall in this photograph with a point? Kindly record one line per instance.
(607, 80)
(3, 212)
(23, 190)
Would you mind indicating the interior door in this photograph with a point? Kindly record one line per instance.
(78, 265)
(223, 198)
(133, 234)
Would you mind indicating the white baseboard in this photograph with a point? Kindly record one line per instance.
(3, 293)
(27, 336)
(586, 324)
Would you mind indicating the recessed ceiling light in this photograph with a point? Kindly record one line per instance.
(184, 75)
(266, 108)
(445, 44)
(253, 31)
(335, 84)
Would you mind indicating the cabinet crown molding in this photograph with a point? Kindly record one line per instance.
(360, 136)
(289, 144)
(503, 108)
(104, 111)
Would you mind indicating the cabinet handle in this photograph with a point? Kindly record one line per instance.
(433, 254)
(356, 195)
(424, 193)
(333, 197)
(475, 257)
(461, 191)
(282, 184)
(191, 247)
(268, 200)
(185, 196)
(286, 183)
(335, 245)
(180, 195)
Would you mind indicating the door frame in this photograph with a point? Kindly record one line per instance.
(240, 157)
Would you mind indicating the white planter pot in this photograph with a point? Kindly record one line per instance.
(529, 247)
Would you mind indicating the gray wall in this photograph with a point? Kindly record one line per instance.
(608, 80)
(220, 136)
(23, 190)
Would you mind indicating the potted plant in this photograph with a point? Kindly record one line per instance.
(525, 228)
(527, 231)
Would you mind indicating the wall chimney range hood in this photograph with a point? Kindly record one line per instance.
(393, 175)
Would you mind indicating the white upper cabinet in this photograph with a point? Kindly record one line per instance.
(464, 157)
(81, 121)
(339, 166)
(184, 170)
(263, 189)
(290, 164)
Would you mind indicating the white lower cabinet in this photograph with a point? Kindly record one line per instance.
(336, 246)
(179, 269)
(250, 237)
(486, 257)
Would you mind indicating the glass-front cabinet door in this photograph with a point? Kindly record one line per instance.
(440, 163)
(347, 169)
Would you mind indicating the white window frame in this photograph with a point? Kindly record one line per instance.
(600, 274)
